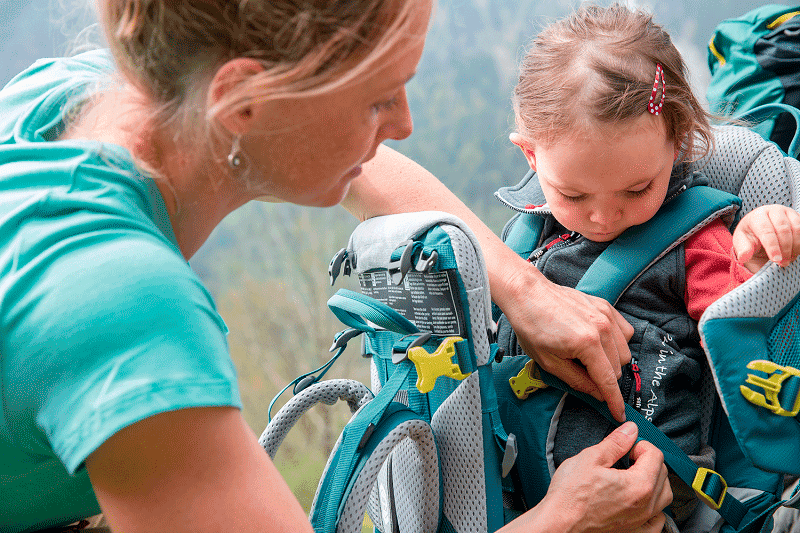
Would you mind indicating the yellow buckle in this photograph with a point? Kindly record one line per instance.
(699, 481)
(527, 381)
(432, 365)
(771, 385)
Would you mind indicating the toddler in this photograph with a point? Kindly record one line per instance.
(608, 122)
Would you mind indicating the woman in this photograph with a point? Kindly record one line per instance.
(118, 391)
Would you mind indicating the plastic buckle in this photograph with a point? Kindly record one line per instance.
(700, 480)
(335, 266)
(341, 339)
(425, 264)
(398, 356)
(509, 455)
(432, 365)
(399, 268)
(527, 381)
(772, 387)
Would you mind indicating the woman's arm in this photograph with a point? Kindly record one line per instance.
(202, 470)
(580, 338)
(192, 470)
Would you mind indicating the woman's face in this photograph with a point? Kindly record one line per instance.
(310, 149)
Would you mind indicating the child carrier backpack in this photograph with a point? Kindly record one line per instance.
(755, 59)
(762, 309)
(426, 451)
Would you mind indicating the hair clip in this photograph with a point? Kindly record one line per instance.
(651, 106)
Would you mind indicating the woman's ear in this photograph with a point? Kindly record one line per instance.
(229, 78)
(525, 146)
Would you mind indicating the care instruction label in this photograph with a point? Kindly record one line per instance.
(430, 300)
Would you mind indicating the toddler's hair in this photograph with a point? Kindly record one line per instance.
(596, 67)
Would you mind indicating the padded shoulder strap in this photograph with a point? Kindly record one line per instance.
(640, 246)
(522, 233)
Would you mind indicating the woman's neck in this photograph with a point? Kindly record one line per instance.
(197, 194)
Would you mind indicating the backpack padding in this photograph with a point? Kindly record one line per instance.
(411, 449)
(752, 168)
(640, 246)
(328, 391)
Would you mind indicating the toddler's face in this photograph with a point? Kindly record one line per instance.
(601, 184)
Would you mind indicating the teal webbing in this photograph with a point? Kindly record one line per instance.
(732, 510)
(633, 251)
(333, 492)
(771, 110)
(351, 308)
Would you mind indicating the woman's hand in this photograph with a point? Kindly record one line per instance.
(588, 495)
(579, 338)
(767, 233)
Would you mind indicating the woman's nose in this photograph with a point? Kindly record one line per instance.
(399, 124)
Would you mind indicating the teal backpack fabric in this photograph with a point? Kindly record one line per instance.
(755, 59)
(425, 448)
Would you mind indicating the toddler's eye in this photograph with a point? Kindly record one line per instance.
(640, 192)
(577, 198)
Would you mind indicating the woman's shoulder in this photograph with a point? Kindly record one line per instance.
(36, 100)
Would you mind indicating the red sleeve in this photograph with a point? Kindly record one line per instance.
(711, 269)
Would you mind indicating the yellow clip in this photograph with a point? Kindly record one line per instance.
(527, 381)
(432, 365)
(771, 385)
(699, 481)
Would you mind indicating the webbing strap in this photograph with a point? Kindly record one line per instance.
(639, 246)
(341, 470)
(732, 510)
(351, 308)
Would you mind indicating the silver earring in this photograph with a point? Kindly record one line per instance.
(235, 157)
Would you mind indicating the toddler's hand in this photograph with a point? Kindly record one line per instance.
(768, 233)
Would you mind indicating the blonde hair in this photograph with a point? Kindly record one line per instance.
(171, 49)
(596, 67)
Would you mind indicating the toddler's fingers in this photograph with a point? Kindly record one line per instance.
(769, 236)
(745, 245)
(782, 230)
(794, 248)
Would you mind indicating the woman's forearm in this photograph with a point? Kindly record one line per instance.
(392, 183)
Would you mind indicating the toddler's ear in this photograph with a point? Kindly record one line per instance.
(526, 147)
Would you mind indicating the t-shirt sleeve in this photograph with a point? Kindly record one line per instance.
(711, 269)
(113, 330)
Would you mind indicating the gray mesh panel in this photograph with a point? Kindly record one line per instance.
(471, 270)
(766, 181)
(763, 295)
(736, 149)
(374, 378)
(374, 504)
(328, 391)
(424, 514)
(783, 345)
(457, 426)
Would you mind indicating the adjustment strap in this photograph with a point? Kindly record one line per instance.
(354, 309)
(709, 486)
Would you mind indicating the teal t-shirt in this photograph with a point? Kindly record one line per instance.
(102, 321)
